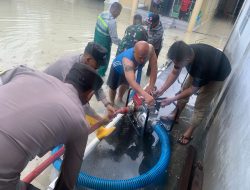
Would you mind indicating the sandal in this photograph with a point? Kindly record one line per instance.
(188, 139)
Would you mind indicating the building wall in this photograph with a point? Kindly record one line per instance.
(126, 3)
(208, 9)
(227, 155)
(147, 3)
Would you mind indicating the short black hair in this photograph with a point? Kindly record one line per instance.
(137, 19)
(116, 6)
(98, 52)
(84, 78)
(155, 18)
(179, 51)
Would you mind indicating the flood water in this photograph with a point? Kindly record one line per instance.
(37, 32)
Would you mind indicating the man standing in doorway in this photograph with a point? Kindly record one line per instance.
(106, 31)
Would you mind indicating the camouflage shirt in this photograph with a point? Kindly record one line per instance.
(133, 34)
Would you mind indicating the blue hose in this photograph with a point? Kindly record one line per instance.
(133, 183)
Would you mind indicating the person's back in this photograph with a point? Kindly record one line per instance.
(156, 37)
(106, 31)
(155, 32)
(33, 122)
(209, 64)
(134, 33)
(117, 62)
(61, 67)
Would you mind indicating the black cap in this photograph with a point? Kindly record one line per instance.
(84, 78)
(153, 18)
(98, 52)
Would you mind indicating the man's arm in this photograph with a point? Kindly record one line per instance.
(196, 84)
(170, 80)
(113, 32)
(91, 112)
(100, 96)
(154, 68)
(72, 161)
(184, 94)
(130, 77)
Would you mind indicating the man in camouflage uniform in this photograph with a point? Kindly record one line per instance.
(134, 33)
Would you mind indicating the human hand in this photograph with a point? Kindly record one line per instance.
(150, 89)
(149, 100)
(111, 111)
(158, 93)
(105, 120)
(166, 102)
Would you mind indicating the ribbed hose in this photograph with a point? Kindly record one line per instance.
(133, 183)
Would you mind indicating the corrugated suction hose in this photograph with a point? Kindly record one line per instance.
(133, 183)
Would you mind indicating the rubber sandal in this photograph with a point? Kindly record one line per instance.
(188, 139)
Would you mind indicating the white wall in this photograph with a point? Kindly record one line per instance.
(227, 156)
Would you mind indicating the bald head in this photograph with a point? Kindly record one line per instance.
(141, 51)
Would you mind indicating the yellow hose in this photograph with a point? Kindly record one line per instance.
(102, 132)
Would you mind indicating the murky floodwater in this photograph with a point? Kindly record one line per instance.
(37, 32)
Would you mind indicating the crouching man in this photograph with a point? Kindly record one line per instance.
(122, 72)
(39, 112)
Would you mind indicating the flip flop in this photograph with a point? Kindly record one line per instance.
(188, 139)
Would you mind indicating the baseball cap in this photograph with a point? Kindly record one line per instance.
(98, 52)
(84, 77)
(153, 18)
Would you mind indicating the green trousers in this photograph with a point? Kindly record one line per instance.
(106, 42)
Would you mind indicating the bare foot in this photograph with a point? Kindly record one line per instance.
(186, 137)
(183, 140)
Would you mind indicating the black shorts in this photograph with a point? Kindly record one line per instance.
(116, 79)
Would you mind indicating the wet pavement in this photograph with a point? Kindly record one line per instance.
(37, 33)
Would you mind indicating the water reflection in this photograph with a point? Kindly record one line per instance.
(38, 32)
